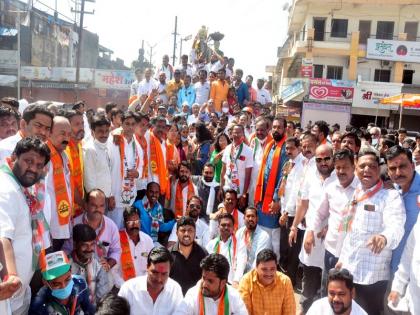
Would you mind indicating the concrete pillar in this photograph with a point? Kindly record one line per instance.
(354, 50)
(399, 66)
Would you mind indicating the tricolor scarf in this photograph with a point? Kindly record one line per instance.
(127, 264)
(267, 198)
(62, 200)
(74, 151)
(143, 143)
(157, 164)
(127, 193)
(232, 256)
(222, 309)
(255, 143)
(179, 200)
(350, 209)
(235, 154)
(88, 268)
(35, 201)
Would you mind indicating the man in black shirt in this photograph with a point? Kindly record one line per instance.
(187, 255)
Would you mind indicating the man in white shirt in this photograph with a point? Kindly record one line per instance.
(36, 121)
(20, 210)
(202, 88)
(202, 235)
(194, 117)
(161, 86)
(135, 85)
(135, 247)
(237, 166)
(97, 160)
(147, 84)
(58, 182)
(185, 67)
(335, 198)
(374, 226)
(310, 194)
(166, 68)
(263, 96)
(406, 279)
(212, 291)
(251, 240)
(154, 293)
(340, 296)
(226, 243)
(126, 167)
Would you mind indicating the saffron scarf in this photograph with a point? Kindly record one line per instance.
(76, 165)
(158, 166)
(179, 200)
(35, 201)
(350, 209)
(222, 309)
(267, 198)
(127, 264)
(62, 201)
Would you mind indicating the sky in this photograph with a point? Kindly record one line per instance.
(253, 29)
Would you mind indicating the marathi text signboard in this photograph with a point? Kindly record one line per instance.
(369, 94)
(331, 90)
(393, 50)
(306, 69)
(113, 79)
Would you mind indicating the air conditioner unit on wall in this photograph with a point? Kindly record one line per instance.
(386, 63)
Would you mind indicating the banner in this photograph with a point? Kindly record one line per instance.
(368, 94)
(114, 79)
(331, 90)
(59, 74)
(393, 50)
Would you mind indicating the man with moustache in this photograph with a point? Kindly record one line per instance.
(135, 247)
(187, 255)
(75, 155)
(265, 290)
(212, 294)
(202, 235)
(36, 121)
(85, 263)
(267, 199)
(97, 160)
(257, 143)
(374, 226)
(154, 293)
(251, 240)
(350, 141)
(58, 182)
(9, 122)
(182, 190)
(20, 215)
(310, 195)
(107, 246)
(207, 189)
(340, 299)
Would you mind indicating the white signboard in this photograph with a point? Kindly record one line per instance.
(56, 74)
(8, 59)
(393, 50)
(369, 94)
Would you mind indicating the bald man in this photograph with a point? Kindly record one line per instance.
(58, 182)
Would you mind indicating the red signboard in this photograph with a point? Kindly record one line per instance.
(331, 90)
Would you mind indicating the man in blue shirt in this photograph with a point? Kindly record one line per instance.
(186, 93)
(241, 88)
(402, 172)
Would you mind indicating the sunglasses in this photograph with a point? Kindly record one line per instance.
(325, 159)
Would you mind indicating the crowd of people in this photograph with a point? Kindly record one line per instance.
(199, 199)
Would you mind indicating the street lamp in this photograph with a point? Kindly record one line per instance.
(186, 38)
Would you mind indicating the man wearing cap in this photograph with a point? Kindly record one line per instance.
(63, 293)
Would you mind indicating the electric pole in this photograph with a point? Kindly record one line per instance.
(151, 53)
(79, 48)
(175, 34)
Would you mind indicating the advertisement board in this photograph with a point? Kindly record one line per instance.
(393, 50)
(331, 90)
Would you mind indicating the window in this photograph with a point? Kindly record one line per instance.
(334, 72)
(339, 28)
(408, 76)
(318, 71)
(319, 26)
(411, 29)
(364, 29)
(385, 30)
(382, 75)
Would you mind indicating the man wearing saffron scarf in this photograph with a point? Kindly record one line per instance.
(126, 167)
(212, 295)
(58, 182)
(135, 247)
(182, 190)
(21, 221)
(267, 197)
(74, 153)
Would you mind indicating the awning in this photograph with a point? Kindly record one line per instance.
(403, 99)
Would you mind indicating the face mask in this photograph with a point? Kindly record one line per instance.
(183, 139)
(225, 109)
(63, 293)
(374, 141)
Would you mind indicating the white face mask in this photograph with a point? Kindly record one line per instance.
(374, 141)
(225, 110)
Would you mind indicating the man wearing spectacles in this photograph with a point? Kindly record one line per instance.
(135, 247)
